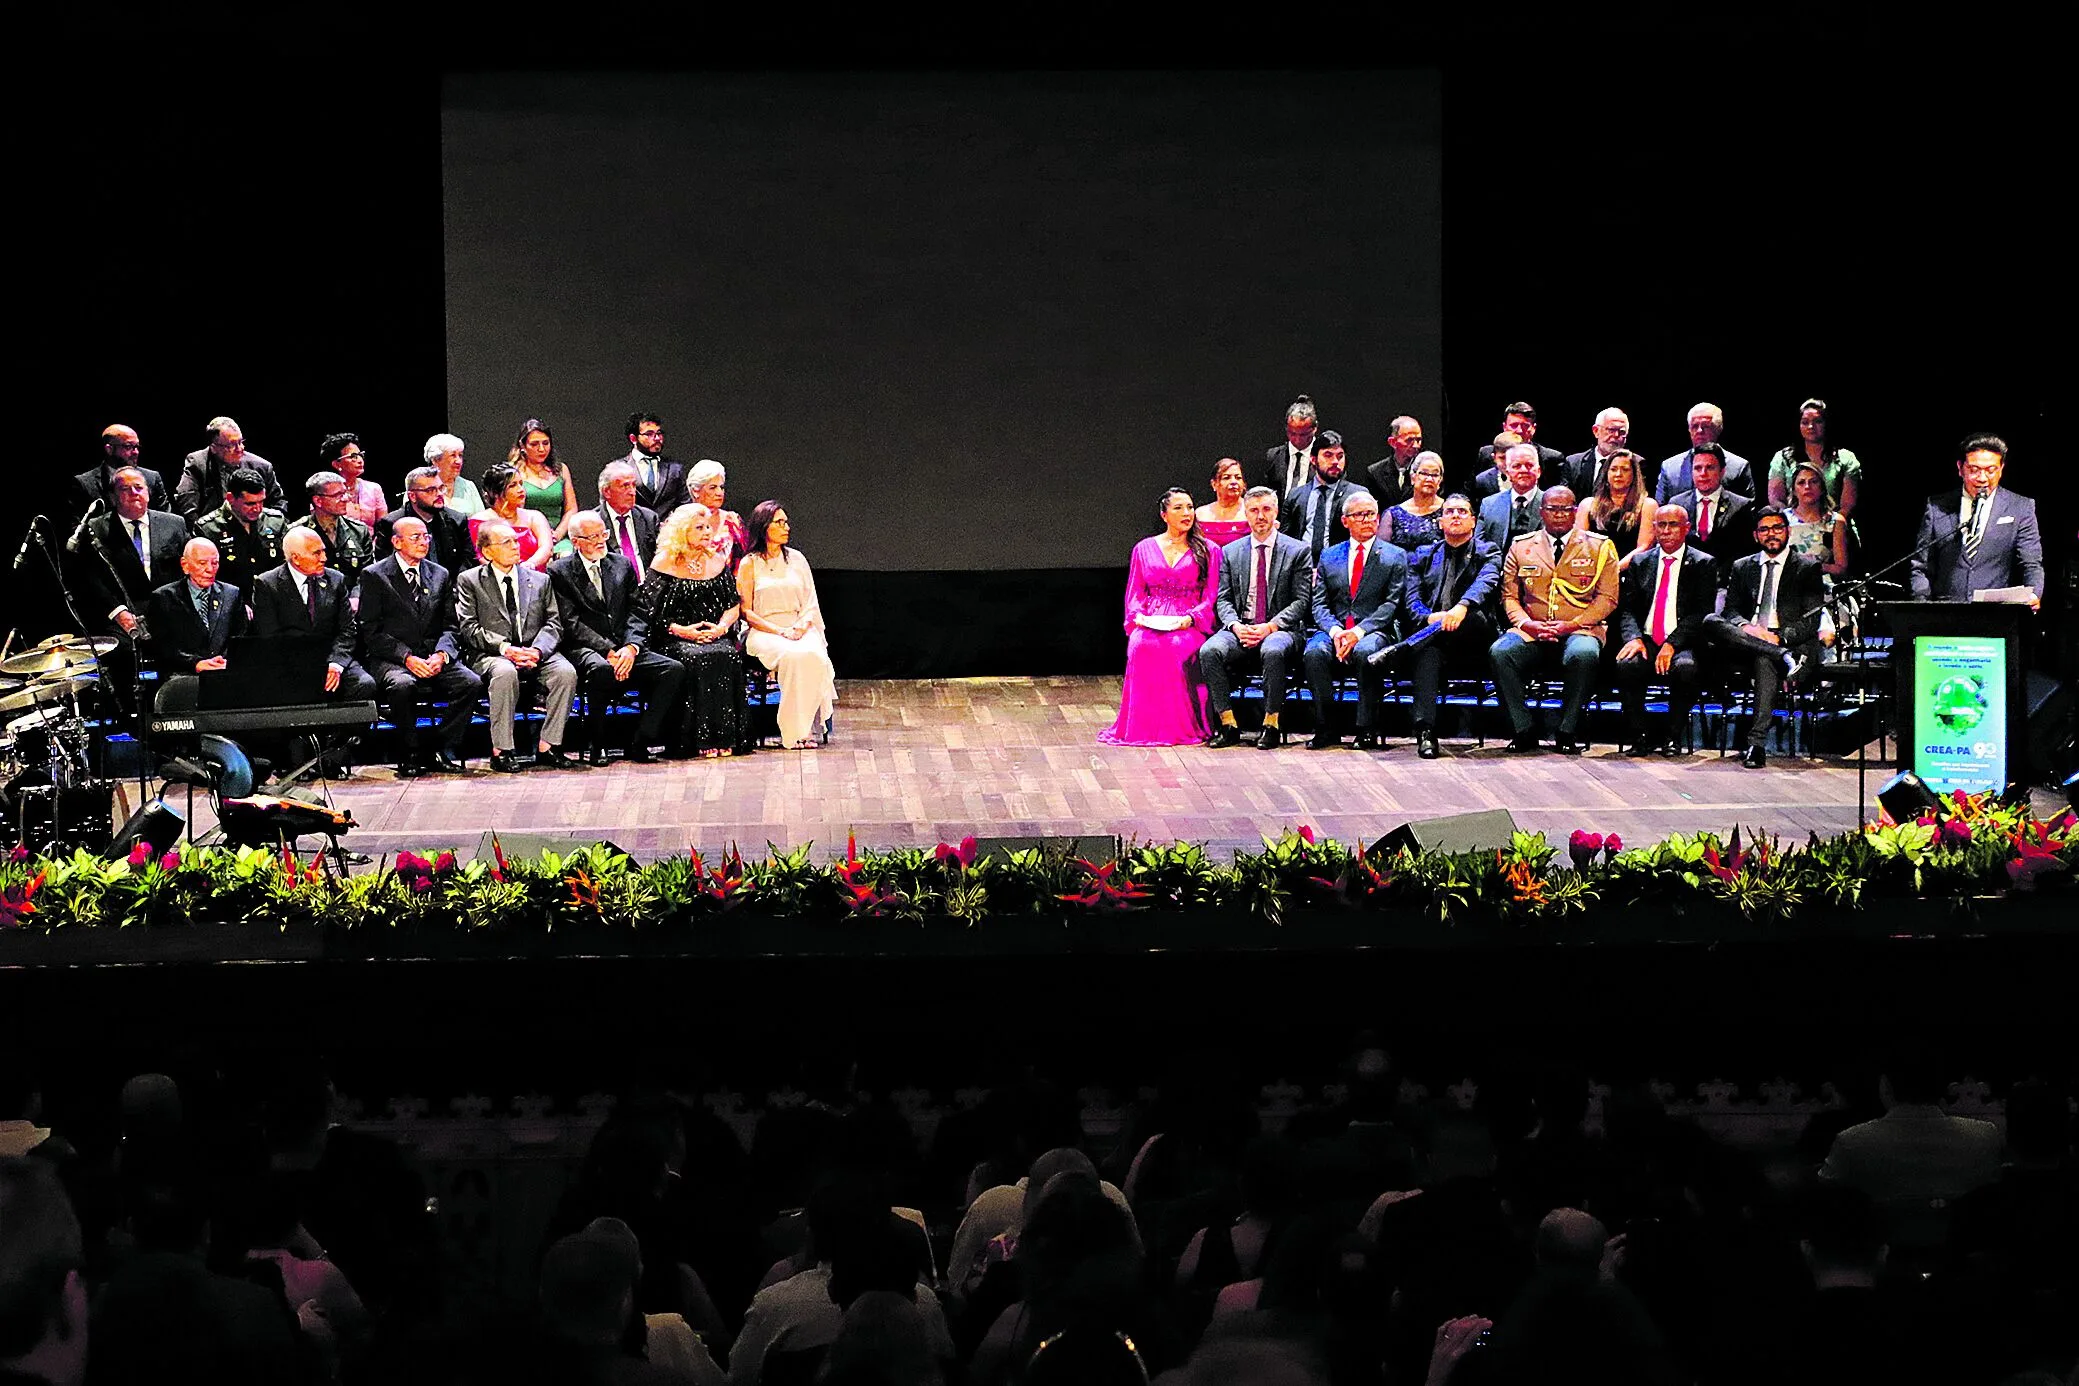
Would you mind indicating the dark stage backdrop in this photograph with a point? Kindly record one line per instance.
(966, 323)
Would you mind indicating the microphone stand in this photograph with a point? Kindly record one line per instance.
(50, 554)
(140, 723)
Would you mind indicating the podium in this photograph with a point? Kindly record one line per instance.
(1962, 694)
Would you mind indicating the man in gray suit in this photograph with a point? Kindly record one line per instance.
(510, 625)
(1980, 537)
(1266, 585)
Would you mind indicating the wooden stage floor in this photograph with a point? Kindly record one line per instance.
(916, 762)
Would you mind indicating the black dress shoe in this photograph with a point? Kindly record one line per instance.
(412, 769)
(595, 756)
(641, 755)
(1755, 758)
(1645, 746)
(1522, 742)
(1323, 741)
(505, 763)
(1367, 741)
(1269, 739)
(1224, 736)
(1567, 746)
(1426, 744)
(447, 764)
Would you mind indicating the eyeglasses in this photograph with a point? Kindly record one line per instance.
(649, 433)
(1555, 508)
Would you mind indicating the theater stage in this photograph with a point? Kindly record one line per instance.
(916, 762)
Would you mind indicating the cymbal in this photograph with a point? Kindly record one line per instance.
(51, 661)
(51, 642)
(47, 692)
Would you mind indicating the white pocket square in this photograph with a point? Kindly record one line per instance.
(2004, 520)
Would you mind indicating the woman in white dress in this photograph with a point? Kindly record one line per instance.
(786, 626)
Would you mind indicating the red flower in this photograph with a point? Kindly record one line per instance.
(18, 902)
(444, 862)
(1612, 844)
(499, 872)
(2031, 859)
(140, 853)
(1306, 834)
(964, 854)
(170, 862)
(1955, 830)
(1583, 846)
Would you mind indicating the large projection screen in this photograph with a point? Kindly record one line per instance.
(954, 321)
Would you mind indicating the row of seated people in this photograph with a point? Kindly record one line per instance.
(245, 1236)
(662, 482)
(654, 607)
(1291, 464)
(1521, 578)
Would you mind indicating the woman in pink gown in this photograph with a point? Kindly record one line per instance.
(1220, 519)
(1170, 587)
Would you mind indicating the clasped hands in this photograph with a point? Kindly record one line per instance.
(699, 632)
(1546, 630)
(1252, 636)
(522, 656)
(1636, 649)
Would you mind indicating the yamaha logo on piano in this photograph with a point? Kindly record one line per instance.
(173, 724)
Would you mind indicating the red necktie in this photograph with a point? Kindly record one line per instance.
(1356, 581)
(1260, 611)
(1659, 631)
(1703, 517)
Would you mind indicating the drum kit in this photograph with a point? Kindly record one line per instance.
(40, 691)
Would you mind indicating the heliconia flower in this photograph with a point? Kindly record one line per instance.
(2031, 859)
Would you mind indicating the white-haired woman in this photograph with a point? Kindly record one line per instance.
(707, 484)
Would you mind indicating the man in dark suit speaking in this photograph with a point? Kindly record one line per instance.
(1266, 586)
(605, 637)
(1981, 536)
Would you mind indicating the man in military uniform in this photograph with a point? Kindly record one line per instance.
(247, 534)
(349, 544)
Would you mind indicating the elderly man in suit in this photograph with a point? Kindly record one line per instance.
(406, 607)
(1266, 589)
(1980, 536)
(1706, 424)
(303, 597)
(660, 481)
(120, 448)
(510, 625)
(1583, 471)
(1521, 422)
(1392, 479)
(1721, 521)
(1288, 466)
(631, 527)
(1314, 513)
(190, 621)
(124, 555)
(203, 473)
(426, 499)
(1513, 511)
(1357, 594)
(1772, 617)
(1663, 597)
(1450, 604)
(1559, 587)
(604, 637)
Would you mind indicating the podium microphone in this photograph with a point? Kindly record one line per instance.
(28, 541)
(72, 544)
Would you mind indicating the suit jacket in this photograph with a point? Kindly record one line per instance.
(667, 494)
(1490, 481)
(450, 530)
(98, 484)
(166, 534)
(1384, 481)
(1379, 593)
(1493, 527)
(1696, 595)
(1732, 526)
(179, 639)
(485, 626)
(201, 486)
(1674, 476)
(1586, 559)
(243, 553)
(590, 622)
(643, 527)
(1799, 592)
(1427, 572)
(1579, 470)
(2010, 548)
(1274, 463)
(278, 609)
(1300, 505)
(393, 625)
(1291, 582)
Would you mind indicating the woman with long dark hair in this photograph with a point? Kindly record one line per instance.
(1170, 586)
(547, 479)
(506, 496)
(1841, 468)
(780, 607)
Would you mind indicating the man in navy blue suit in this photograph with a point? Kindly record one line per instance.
(1515, 510)
(1314, 512)
(1450, 603)
(407, 615)
(190, 622)
(1358, 590)
(605, 634)
(1981, 536)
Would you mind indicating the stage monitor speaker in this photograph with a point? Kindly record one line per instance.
(1905, 797)
(157, 824)
(1457, 832)
(530, 845)
(1096, 848)
(2050, 706)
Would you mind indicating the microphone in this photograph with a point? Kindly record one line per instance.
(28, 540)
(72, 544)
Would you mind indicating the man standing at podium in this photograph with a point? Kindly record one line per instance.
(1980, 536)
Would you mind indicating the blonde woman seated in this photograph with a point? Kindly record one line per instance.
(786, 626)
(689, 602)
(707, 484)
(1620, 510)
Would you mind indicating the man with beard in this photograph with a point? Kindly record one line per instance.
(426, 500)
(204, 472)
(660, 481)
(119, 449)
(1314, 512)
(1584, 469)
(1772, 617)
